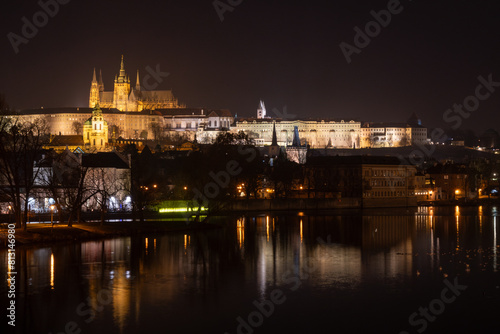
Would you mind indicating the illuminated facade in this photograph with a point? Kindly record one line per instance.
(327, 133)
(125, 98)
(95, 130)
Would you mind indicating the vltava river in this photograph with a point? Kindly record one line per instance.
(432, 270)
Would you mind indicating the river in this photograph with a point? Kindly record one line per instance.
(432, 270)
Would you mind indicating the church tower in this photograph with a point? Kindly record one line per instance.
(95, 130)
(122, 89)
(101, 84)
(261, 112)
(94, 92)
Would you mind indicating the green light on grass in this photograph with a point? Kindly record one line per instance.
(185, 209)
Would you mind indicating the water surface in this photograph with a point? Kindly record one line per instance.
(354, 272)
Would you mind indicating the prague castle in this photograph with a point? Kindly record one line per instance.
(125, 98)
(136, 113)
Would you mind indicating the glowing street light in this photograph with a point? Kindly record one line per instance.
(52, 207)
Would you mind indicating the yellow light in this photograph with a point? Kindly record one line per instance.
(301, 188)
(267, 227)
(457, 192)
(301, 235)
(183, 209)
(185, 188)
(154, 186)
(241, 231)
(52, 271)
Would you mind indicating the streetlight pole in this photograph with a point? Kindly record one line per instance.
(52, 216)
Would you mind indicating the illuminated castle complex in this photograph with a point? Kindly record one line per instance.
(124, 98)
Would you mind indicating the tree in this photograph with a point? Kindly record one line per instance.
(21, 144)
(115, 131)
(229, 138)
(156, 130)
(282, 173)
(77, 128)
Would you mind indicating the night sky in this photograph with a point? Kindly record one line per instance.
(284, 52)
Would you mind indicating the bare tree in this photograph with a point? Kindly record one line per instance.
(156, 130)
(66, 182)
(77, 193)
(115, 130)
(77, 127)
(21, 143)
(105, 184)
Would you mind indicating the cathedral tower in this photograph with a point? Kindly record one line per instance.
(122, 89)
(101, 84)
(94, 92)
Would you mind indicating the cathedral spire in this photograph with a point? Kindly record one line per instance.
(101, 84)
(137, 82)
(93, 78)
(122, 68)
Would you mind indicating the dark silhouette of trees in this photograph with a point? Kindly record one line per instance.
(21, 143)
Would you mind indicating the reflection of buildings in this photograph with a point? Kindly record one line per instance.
(387, 243)
(331, 251)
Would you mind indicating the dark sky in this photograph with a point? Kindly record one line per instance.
(285, 52)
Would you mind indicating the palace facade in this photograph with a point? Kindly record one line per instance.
(332, 133)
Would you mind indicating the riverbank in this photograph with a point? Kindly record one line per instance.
(40, 234)
(462, 202)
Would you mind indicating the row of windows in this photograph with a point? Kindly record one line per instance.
(387, 193)
(458, 176)
(390, 183)
(387, 172)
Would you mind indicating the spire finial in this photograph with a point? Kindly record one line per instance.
(137, 82)
(93, 78)
(122, 68)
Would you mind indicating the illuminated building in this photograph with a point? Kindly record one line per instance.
(124, 98)
(331, 133)
(95, 130)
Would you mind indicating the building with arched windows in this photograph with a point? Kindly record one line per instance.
(95, 130)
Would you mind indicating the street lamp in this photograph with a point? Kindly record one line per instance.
(52, 216)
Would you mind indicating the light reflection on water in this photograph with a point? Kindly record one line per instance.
(214, 276)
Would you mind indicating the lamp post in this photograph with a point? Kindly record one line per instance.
(52, 216)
